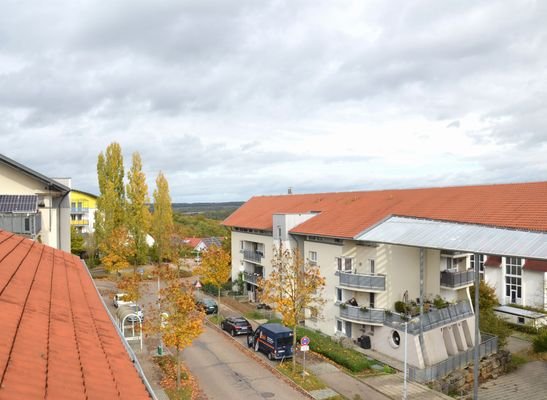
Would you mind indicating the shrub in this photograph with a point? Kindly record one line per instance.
(487, 297)
(530, 329)
(400, 307)
(494, 325)
(439, 302)
(348, 358)
(540, 342)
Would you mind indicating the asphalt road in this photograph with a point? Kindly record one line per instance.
(224, 372)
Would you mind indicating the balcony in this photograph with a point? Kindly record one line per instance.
(79, 210)
(369, 282)
(22, 224)
(251, 277)
(455, 280)
(360, 314)
(432, 319)
(253, 256)
(79, 222)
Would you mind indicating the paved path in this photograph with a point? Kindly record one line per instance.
(392, 386)
(526, 383)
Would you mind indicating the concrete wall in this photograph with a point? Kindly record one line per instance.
(533, 283)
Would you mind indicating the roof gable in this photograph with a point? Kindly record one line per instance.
(51, 183)
(57, 340)
(517, 206)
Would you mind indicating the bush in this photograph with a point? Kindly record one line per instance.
(494, 325)
(540, 342)
(439, 302)
(400, 307)
(530, 329)
(324, 345)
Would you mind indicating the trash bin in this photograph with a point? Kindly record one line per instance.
(364, 341)
(160, 350)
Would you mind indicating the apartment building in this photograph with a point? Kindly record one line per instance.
(82, 211)
(416, 246)
(34, 205)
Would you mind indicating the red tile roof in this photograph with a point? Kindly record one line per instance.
(536, 265)
(519, 206)
(193, 241)
(56, 339)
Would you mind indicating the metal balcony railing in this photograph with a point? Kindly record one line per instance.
(22, 224)
(79, 210)
(369, 315)
(251, 277)
(362, 281)
(253, 256)
(457, 279)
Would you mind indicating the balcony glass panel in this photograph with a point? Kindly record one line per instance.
(457, 279)
(362, 281)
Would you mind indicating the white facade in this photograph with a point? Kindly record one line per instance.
(375, 276)
(54, 203)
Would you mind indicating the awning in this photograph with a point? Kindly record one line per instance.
(471, 238)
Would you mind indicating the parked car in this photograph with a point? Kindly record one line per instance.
(208, 305)
(137, 310)
(274, 340)
(236, 326)
(119, 300)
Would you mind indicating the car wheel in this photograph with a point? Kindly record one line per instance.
(232, 332)
(249, 341)
(256, 345)
(270, 357)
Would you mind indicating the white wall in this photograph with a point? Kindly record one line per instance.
(534, 284)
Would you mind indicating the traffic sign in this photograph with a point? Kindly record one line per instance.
(304, 348)
(305, 341)
(197, 284)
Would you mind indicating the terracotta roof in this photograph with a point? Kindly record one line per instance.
(56, 338)
(493, 261)
(535, 265)
(518, 206)
(192, 242)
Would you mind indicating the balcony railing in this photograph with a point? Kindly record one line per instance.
(253, 256)
(251, 277)
(369, 315)
(79, 222)
(432, 319)
(457, 279)
(80, 210)
(23, 224)
(362, 281)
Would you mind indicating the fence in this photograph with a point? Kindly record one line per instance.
(488, 346)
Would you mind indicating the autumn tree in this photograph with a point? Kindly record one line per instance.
(293, 287)
(130, 286)
(110, 213)
(138, 214)
(179, 321)
(116, 251)
(162, 218)
(215, 268)
(77, 244)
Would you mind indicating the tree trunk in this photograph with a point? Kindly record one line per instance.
(178, 368)
(294, 349)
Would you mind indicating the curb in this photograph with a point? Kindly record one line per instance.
(260, 360)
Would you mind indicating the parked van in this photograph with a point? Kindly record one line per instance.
(274, 340)
(119, 300)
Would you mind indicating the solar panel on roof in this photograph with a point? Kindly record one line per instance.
(10, 203)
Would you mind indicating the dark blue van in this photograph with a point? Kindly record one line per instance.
(274, 340)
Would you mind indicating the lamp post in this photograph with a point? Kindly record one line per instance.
(405, 362)
(160, 346)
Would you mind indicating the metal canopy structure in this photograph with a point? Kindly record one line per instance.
(442, 235)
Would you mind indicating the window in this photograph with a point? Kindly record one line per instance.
(73, 205)
(338, 325)
(344, 264)
(338, 294)
(513, 278)
(348, 262)
(372, 298)
(521, 320)
(372, 265)
(27, 224)
(482, 258)
(313, 257)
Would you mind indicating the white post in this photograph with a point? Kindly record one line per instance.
(405, 362)
(160, 347)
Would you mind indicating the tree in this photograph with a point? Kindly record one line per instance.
(215, 268)
(179, 321)
(489, 322)
(293, 287)
(77, 245)
(138, 214)
(116, 251)
(162, 218)
(110, 213)
(130, 286)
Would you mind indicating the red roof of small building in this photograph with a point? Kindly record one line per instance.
(56, 338)
(535, 265)
(193, 241)
(518, 206)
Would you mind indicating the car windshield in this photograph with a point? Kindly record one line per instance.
(241, 322)
(209, 303)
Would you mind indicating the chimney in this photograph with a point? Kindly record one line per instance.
(289, 191)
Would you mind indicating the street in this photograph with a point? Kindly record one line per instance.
(225, 372)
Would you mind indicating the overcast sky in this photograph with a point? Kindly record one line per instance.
(239, 98)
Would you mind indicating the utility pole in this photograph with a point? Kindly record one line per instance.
(477, 333)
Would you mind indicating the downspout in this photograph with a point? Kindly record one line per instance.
(59, 219)
(422, 268)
